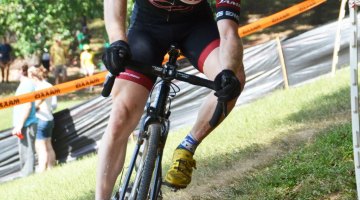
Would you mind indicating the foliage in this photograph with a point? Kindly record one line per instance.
(32, 24)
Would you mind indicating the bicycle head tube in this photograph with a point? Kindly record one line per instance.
(174, 54)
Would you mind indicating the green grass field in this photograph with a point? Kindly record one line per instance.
(291, 144)
(323, 169)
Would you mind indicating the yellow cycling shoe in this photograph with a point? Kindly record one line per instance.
(179, 174)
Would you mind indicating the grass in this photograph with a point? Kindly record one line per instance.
(319, 169)
(322, 169)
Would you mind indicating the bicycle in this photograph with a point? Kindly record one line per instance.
(154, 128)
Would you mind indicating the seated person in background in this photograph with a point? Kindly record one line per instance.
(44, 109)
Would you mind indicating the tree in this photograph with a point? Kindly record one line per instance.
(33, 23)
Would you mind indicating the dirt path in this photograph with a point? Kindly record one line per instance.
(209, 186)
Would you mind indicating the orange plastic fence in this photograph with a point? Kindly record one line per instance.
(279, 17)
(55, 90)
(100, 78)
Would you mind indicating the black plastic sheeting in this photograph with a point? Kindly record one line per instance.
(78, 130)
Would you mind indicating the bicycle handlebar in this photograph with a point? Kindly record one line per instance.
(221, 107)
(158, 71)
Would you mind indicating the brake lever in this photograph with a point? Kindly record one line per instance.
(108, 84)
(221, 109)
(224, 108)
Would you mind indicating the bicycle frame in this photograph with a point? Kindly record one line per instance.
(156, 113)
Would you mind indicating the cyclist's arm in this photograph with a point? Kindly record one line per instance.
(231, 48)
(115, 19)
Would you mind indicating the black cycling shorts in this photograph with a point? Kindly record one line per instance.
(150, 37)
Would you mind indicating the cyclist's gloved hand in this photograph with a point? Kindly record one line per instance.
(115, 56)
(227, 86)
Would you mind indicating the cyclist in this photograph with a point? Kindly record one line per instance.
(212, 45)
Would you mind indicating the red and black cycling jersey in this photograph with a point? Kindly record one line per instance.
(191, 25)
(225, 9)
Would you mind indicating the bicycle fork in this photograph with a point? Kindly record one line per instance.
(155, 114)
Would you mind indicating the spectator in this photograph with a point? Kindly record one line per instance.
(44, 108)
(87, 62)
(80, 38)
(5, 60)
(25, 125)
(45, 61)
(58, 61)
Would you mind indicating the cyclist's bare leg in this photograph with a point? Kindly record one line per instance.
(128, 105)
(179, 176)
(212, 67)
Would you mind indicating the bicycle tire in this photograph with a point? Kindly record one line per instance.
(147, 173)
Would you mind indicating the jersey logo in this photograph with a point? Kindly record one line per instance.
(231, 3)
(174, 5)
(191, 2)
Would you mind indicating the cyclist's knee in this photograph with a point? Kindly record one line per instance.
(123, 114)
(124, 117)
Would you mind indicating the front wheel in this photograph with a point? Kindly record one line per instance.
(154, 132)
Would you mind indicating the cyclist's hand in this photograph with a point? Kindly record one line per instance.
(227, 86)
(115, 56)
